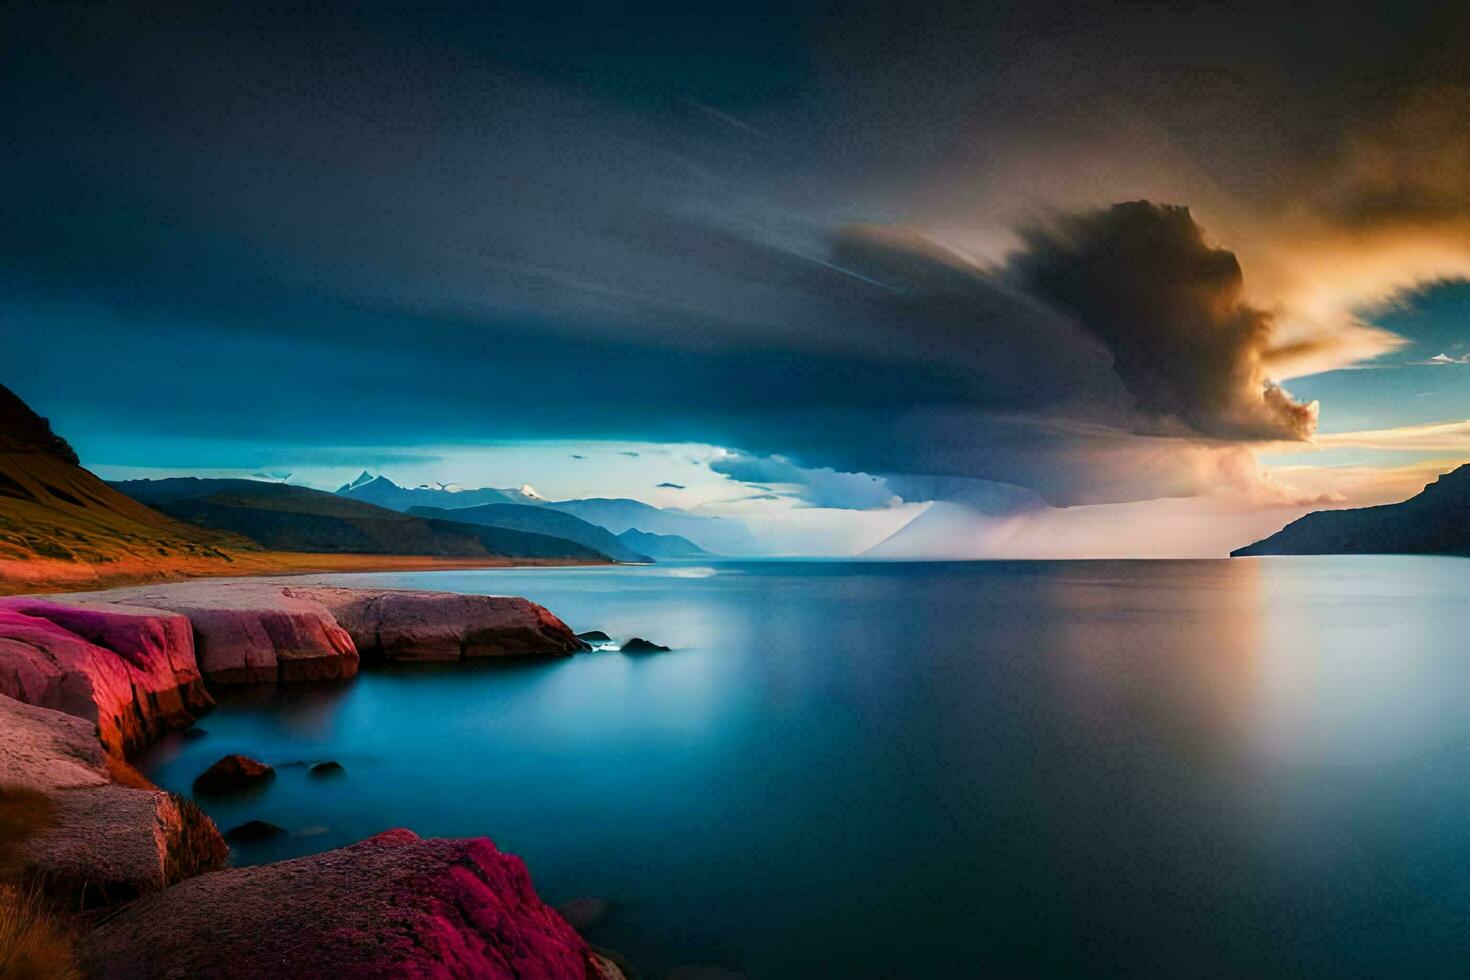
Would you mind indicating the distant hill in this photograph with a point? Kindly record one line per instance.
(298, 519)
(541, 520)
(1435, 522)
(59, 522)
(721, 535)
(662, 545)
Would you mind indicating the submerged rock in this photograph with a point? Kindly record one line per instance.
(253, 830)
(329, 768)
(233, 774)
(703, 971)
(584, 912)
(444, 626)
(639, 645)
(393, 905)
(594, 636)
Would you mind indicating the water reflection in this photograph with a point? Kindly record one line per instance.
(1362, 664)
(1246, 768)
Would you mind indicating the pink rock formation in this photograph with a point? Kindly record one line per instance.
(254, 632)
(121, 666)
(393, 905)
(109, 841)
(47, 749)
(410, 625)
(132, 694)
(157, 645)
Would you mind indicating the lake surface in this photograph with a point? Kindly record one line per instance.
(1214, 768)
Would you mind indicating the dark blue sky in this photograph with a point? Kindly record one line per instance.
(873, 241)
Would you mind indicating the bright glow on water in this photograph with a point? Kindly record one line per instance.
(921, 770)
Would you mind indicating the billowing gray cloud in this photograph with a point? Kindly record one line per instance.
(1170, 310)
(449, 227)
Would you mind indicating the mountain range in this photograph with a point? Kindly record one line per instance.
(541, 520)
(1434, 522)
(298, 519)
(713, 535)
(385, 493)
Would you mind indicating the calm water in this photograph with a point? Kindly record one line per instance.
(929, 770)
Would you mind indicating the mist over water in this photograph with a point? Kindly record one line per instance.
(925, 770)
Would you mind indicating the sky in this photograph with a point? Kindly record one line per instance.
(1004, 280)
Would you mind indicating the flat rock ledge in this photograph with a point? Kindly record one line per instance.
(444, 626)
(254, 632)
(394, 905)
(138, 662)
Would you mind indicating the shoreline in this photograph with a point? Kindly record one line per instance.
(92, 680)
(53, 576)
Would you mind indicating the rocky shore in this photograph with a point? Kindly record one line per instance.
(88, 679)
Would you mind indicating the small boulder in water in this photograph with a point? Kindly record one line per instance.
(328, 768)
(639, 645)
(253, 830)
(594, 636)
(232, 774)
(584, 912)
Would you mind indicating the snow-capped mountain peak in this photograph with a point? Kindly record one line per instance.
(362, 478)
(530, 492)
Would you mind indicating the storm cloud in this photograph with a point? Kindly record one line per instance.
(820, 487)
(1169, 308)
(876, 256)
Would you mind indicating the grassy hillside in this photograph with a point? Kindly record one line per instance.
(60, 522)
